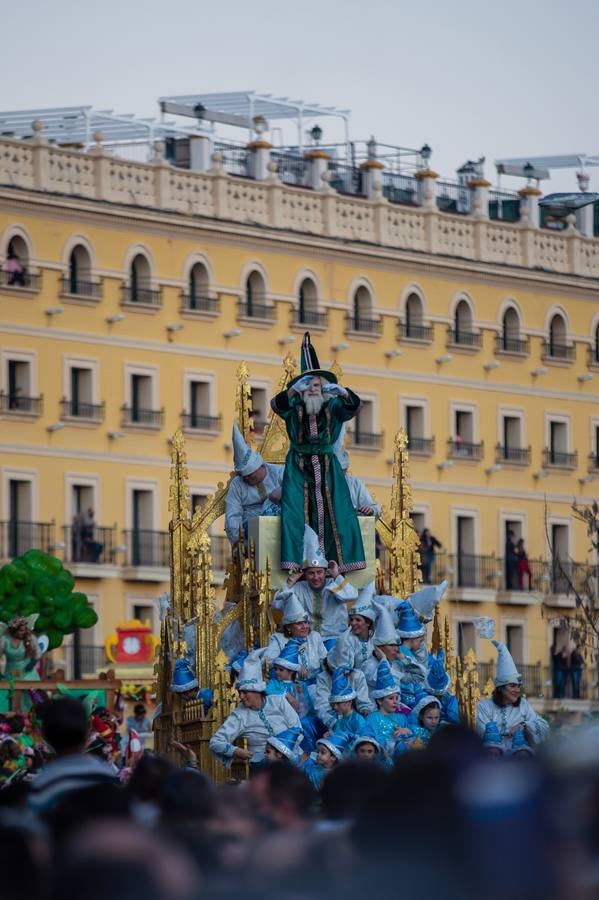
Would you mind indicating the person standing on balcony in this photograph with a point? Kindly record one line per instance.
(576, 666)
(511, 561)
(559, 662)
(428, 547)
(92, 549)
(255, 491)
(523, 565)
(14, 270)
(315, 492)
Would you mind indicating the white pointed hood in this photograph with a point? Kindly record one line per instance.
(313, 557)
(250, 678)
(425, 600)
(245, 460)
(385, 632)
(293, 611)
(506, 672)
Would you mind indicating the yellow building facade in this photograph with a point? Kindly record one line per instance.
(142, 289)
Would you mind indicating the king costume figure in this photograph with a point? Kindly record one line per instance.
(315, 492)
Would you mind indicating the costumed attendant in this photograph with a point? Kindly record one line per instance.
(323, 592)
(362, 620)
(257, 718)
(283, 746)
(412, 656)
(255, 491)
(438, 683)
(387, 724)
(296, 624)
(343, 703)
(313, 408)
(385, 646)
(184, 682)
(368, 749)
(329, 751)
(341, 658)
(361, 500)
(507, 707)
(19, 648)
(286, 670)
(492, 741)
(425, 717)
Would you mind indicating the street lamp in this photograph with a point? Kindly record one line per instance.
(316, 134)
(425, 154)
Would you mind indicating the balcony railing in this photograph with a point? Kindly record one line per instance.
(17, 403)
(90, 544)
(370, 439)
(142, 295)
(464, 337)
(27, 281)
(412, 331)
(453, 197)
(421, 446)
(553, 350)
(519, 346)
(16, 537)
(560, 458)
(76, 409)
(196, 303)
(86, 289)
(147, 548)
(291, 168)
(262, 311)
(461, 449)
(361, 325)
(594, 462)
(195, 421)
(235, 158)
(470, 571)
(504, 206)
(539, 681)
(346, 179)
(518, 455)
(593, 355)
(398, 188)
(135, 415)
(311, 317)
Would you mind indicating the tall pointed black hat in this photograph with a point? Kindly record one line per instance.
(309, 364)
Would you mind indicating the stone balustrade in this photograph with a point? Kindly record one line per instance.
(36, 165)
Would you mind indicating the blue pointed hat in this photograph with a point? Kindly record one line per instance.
(285, 741)
(341, 688)
(492, 737)
(337, 742)
(288, 658)
(423, 700)
(519, 743)
(410, 625)
(385, 682)
(437, 679)
(184, 678)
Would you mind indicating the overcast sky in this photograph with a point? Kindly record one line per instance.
(501, 79)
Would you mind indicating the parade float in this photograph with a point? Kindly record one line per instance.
(195, 621)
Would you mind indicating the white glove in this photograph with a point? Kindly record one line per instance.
(302, 384)
(335, 390)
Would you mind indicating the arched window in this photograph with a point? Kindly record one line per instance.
(140, 284)
(255, 296)
(462, 320)
(79, 279)
(414, 317)
(198, 286)
(17, 261)
(510, 331)
(307, 310)
(557, 345)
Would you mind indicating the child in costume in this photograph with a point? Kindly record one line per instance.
(385, 646)
(367, 749)
(343, 702)
(425, 718)
(387, 724)
(437, 683)
(283, 746)
(328, 753)
(285, 670)
(413, 655)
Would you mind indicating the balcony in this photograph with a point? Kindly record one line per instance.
(412, 331)
(360, 325)
(517, 456)
(260, 312)
(96, 546)
(16, 537)
(80, 288)
(193, 303)
(593, 356)
(141, 296)
(146, 418)
(554, 352)
(366, 440)
(20, 281)
(461, 449)
(311, 317)
(146, 548)
(464, 337)
(593, 459)
(559, 459)
(19, 404)
(76, 409)
(197, 422)
(399, 188)
(514, 346)
(421, 446)
(465, 570)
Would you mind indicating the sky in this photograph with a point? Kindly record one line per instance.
(503, 79)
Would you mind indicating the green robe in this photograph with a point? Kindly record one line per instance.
(315, 491)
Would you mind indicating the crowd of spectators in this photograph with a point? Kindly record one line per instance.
(447, 821)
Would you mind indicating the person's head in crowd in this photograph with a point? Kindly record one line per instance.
(139, 712)
(284, 795)
(24, 856)
(148, 777)
(350, 786)
(187, 796)
(90, 804)
(64, 725)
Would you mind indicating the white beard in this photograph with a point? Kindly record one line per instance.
(313, 404)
